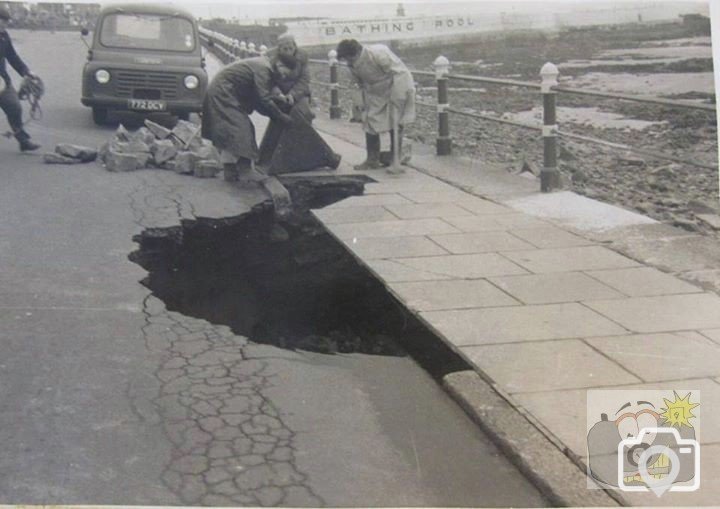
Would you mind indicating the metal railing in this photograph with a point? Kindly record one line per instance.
(548, 87)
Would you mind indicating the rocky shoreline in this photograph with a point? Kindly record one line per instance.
(675, 193)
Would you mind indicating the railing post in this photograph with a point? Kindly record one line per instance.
(243, 49)
(263, 49)
(335, 111)
(444, 142)
(251, 49)
(236, 48)
(549, 175)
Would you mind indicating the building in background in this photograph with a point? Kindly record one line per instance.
(418, 30)
(52, 15)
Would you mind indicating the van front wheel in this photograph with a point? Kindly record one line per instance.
(100, 115)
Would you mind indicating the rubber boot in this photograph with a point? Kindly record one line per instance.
(248, 176)
(372, 144)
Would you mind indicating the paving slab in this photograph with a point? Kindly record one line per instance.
(468, 266)
(495, 222)
(454, 294)
(570, 259)
(540, 366)
(369, 201)
(664, 313)
(550, 237)
(369, 248)
(706, 279)
(465, 200)
(563, 413)
(522, 323)
(482, 207)
(577, 211)
(643, 282)
(555, 288)
(418, 211)
(392, 271)
(480, 242)
(385, 229)
(673, 253)
(713, 334)
(353, 215)
(656, 357)
(412, 181)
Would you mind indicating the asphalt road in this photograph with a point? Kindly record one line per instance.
(108, 398)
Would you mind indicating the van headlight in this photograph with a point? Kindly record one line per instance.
(102, 76)
(191, 82)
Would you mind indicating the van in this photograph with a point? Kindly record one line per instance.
(144, 58)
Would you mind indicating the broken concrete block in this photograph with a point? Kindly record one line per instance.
(207, 168)
(130, 147)
(169, 165)
(104, 150)
(122, 134)
(84, 154)
(185, 132)
(185, 163)
(144, 135)
(158, 131)
(53, 158)
(206, 151)
(163, 150)
(117, 161)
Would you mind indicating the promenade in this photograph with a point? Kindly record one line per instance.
(545, 295)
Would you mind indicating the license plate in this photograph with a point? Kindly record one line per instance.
(146, 105)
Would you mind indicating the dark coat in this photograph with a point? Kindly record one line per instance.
(236, 91)
(7, 52)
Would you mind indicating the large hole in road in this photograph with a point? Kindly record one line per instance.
(286, 282)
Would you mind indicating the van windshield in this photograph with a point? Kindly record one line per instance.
(147, 31)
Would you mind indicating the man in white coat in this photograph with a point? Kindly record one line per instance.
(388, 89)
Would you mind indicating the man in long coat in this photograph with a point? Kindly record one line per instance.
(236, 91)
(388, 89)
(9, 101)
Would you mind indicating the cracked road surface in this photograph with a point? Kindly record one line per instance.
(106, 397)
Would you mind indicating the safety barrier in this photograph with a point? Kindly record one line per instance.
(548, 88)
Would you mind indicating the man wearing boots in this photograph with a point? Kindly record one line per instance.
(236, 91)
(388, 90)
(9, 101)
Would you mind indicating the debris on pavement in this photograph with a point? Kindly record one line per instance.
(66, 153)
(181, 149)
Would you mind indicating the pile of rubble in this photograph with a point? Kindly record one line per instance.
(181, 150)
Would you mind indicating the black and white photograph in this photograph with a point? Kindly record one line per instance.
(302, 253)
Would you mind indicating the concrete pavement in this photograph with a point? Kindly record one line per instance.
(547, 296)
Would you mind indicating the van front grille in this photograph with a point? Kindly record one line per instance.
(163, 83)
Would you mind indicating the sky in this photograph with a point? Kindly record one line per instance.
(254, 9)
